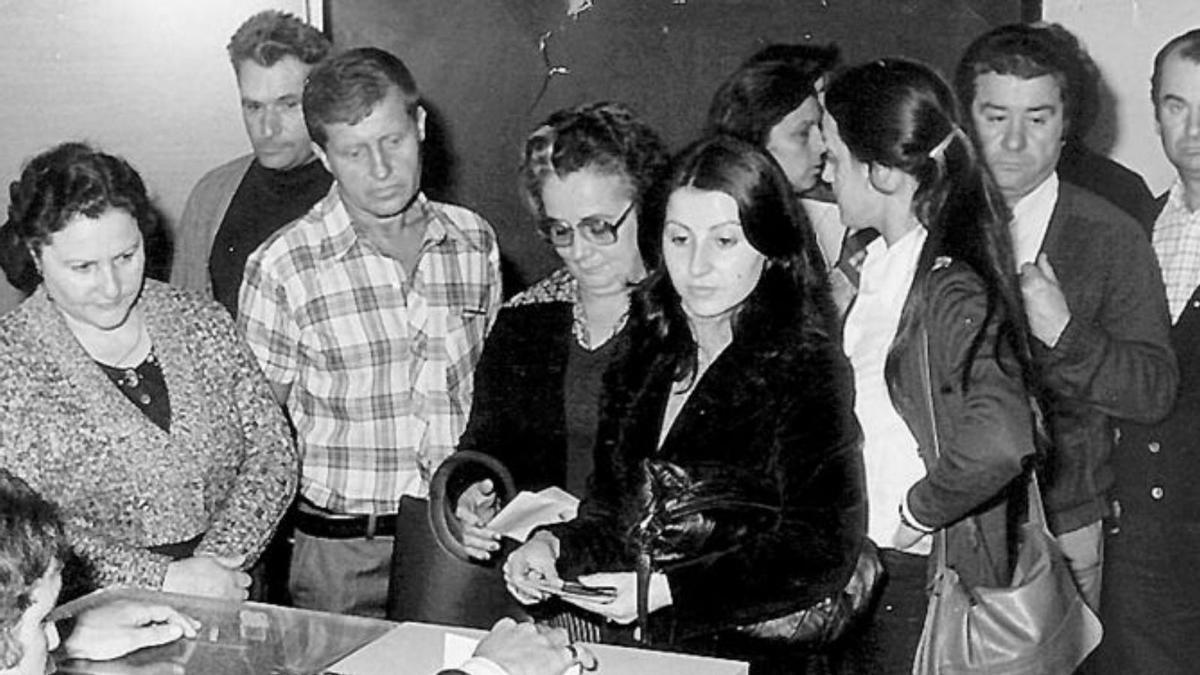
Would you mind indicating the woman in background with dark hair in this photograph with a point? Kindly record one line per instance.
(736, 381)
(134, 406)
(772, 100)
(937, 296)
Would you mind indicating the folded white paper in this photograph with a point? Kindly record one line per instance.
(529, 510)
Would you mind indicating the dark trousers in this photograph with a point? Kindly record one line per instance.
(1150, 605)
(270, 573)
(342, 576)
(888, 641)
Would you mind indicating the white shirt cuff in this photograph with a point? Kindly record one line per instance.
(907, 516)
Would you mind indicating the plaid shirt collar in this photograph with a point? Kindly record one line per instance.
(1176, 242)
(340, 234)
(1177, 204)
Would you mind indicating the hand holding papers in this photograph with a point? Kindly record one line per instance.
(529, 510)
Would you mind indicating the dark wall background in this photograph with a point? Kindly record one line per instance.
(487, 79)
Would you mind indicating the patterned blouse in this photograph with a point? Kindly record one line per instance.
(560, 286)
(225, 472)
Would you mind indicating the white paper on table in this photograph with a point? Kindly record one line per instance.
(457, 649)
(529, 510)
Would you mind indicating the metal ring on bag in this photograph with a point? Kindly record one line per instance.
(442, 521)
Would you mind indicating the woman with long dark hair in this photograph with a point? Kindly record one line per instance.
(937, 303)
(736, 389)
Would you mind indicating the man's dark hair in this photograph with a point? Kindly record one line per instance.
(1187, 46)
(346, 88)
(31, 541)
(269, 36)
(1030, 51)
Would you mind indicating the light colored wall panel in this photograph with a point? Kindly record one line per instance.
(146, 79)
(1122, 36)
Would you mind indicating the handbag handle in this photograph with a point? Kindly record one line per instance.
(442, 521)
(1037, 510)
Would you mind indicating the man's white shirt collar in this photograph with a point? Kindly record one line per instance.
(1031, 219)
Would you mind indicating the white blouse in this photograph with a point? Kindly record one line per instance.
(890, 454)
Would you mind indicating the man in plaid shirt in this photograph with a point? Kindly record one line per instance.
(368, 315)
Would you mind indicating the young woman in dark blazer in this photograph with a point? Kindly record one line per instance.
(938, 282)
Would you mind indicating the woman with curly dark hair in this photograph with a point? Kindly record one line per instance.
(736, 384)
(134, 406)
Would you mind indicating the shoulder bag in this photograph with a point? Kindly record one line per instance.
(1037, 625)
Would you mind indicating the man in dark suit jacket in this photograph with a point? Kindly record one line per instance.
(1093, 293)
(1151, 605)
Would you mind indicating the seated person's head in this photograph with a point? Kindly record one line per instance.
(771, 101)
(584, 174)
(75, 209)
(32, 550)
(1026, 89)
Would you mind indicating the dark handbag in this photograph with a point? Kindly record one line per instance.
(1037, 625)
(432, 578)
(832, 618)
(686, 518)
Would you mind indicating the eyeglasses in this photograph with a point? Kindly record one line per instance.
(595, 229)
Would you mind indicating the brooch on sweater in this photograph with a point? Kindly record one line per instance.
(131, 379)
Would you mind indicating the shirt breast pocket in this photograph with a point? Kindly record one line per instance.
(466, 329)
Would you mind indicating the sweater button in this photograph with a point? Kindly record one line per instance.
(1156, 492)
(1154, 447)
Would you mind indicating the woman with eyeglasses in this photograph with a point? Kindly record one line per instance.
(584, 173)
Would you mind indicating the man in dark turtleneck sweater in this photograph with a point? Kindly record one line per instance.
(237, 205)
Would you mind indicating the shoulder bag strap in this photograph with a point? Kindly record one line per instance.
(1037, 510)
(939, 543)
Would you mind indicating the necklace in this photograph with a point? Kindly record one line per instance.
(132, 379)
